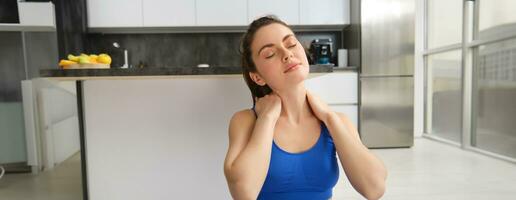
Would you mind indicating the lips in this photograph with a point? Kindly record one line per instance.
(291, 67)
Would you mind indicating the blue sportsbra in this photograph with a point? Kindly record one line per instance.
(311, 174)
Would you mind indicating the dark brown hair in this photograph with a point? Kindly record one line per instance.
(246, 55)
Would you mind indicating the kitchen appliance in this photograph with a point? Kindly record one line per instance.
(386, 79)
(321, 51)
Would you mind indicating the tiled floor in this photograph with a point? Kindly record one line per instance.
(433, 170)
(429, 170)
(62, 183)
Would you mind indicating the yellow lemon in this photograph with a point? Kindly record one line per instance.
(93, 58)
(66, 62)
(104, 58)
(73, 58)
(84, 59)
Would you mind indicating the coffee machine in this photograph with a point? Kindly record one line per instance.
(321, 51)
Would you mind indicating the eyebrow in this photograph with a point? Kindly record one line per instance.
(270, 45)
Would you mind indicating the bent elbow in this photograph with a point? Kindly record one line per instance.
(375, 192)
(240, 188)
(244, 191)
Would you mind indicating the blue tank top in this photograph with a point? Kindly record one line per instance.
(311, 174)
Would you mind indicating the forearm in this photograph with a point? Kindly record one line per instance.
(365, 171)
(249, 169)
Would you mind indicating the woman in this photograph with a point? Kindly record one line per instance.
(286, 146)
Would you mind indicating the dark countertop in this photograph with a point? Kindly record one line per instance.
(344, 69)
(154, 71)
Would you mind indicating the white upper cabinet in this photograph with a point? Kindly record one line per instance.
(178, 13)
(324, 12)
(114, 13)
(37, 14)
(168, 13)
(221, 12)
(286, 10)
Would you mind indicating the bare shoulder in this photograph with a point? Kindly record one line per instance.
(243, 117)
(241, 121)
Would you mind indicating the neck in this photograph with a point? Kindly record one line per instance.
(294, 105)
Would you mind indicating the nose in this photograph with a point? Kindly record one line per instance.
(287, 55)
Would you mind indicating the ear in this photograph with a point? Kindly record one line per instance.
(257, 78)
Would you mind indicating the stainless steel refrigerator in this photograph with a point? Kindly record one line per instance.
(386, 74)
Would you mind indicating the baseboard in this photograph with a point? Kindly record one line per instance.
(17, 168)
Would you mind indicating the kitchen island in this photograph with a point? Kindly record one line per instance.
(160, 134)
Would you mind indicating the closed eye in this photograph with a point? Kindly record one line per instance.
(292, 46)
(270, 56)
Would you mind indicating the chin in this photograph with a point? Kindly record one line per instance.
(301, 74)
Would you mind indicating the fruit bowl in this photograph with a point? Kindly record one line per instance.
(84, 61)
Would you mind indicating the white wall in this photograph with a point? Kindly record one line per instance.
(444, 22)
(495, 13)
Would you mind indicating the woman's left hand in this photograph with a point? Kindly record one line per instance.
(320, 109)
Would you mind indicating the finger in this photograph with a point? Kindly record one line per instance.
(308, 93)
(310, 98)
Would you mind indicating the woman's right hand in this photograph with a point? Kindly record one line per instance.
(268, 106)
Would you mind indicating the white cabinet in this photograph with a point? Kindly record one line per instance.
(286, 10)
(351, 111)
(114, 13)
(167, 13)
(221, 12)
(324, 12)
(36, 14)
(178, 13)
(335, 88)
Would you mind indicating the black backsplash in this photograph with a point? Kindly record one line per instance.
(71, 26)
(182, 49)
(169, 50)
(9, 11)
